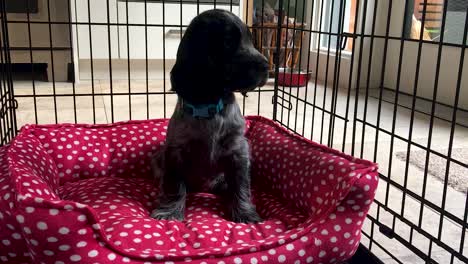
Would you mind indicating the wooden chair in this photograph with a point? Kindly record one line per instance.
(290, 45)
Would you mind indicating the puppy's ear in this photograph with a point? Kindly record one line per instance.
(197, 75)
(193, 73)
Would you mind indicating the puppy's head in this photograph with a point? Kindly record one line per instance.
(216, 56)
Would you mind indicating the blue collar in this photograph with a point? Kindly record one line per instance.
(202, 110)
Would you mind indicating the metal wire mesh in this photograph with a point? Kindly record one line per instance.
(369, 102)
(7, 102)
(381, 89)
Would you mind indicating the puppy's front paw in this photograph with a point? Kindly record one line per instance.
(249, 216)
(163, 214)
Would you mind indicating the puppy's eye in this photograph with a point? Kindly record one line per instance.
(248, 33)
(230, 44)
(232, 40)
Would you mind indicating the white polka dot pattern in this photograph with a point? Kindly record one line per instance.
(13, 248)
(85, 194)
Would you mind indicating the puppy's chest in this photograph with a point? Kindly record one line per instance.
(202, 163)
(207, 150)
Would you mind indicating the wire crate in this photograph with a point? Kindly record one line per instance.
(388, 83)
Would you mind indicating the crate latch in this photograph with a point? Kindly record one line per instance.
(10, 104)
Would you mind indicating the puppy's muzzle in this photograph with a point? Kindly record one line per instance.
(263, 71)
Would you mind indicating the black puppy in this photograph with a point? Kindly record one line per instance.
(205, 149)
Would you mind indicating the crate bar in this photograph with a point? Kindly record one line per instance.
(300, 58)
(70, 39)
(293, 39)
(465, 219)
(184, 25)
(111, 86)
(128, 64)
(382, 77)
(336, 73)
(431, 122)
(4, 129)
(313, 3)
(146, 60)
(317, 69)
(413, 106)
(454, 117)
(164, 56)
(28, 17)
(395, 103)
(181, 28)
(358, 80)
(330, 25)
(307, 65)
(350, 80)
(3, 97)
(91, 60)
(369, 72)
(108, 94)
(11, 119)
(278, 40)
(261, 47)
(52, 61)
(278, 52)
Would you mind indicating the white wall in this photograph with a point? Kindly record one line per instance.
(133, 47)
(449, 61)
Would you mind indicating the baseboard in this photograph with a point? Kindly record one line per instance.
(120, 69)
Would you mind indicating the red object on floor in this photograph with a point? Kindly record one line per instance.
(294, 79)
(83, 194)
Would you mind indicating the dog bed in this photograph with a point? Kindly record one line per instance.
(83, 193)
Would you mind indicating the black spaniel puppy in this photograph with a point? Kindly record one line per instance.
(205, 149)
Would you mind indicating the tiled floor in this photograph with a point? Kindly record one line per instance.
(384, 148)
(144, 101)
(93, 103)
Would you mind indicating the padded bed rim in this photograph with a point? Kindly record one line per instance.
(195, 253)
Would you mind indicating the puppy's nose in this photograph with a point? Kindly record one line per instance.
(263, 63)
(262, 82)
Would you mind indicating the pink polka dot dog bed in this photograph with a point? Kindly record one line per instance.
(83, 193)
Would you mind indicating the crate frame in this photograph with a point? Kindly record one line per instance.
(288, 101)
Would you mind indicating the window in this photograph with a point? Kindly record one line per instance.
(434, 10)
(201, 2)
(331, 12)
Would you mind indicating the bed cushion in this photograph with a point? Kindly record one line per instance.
(84, 194)
(13, 247)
